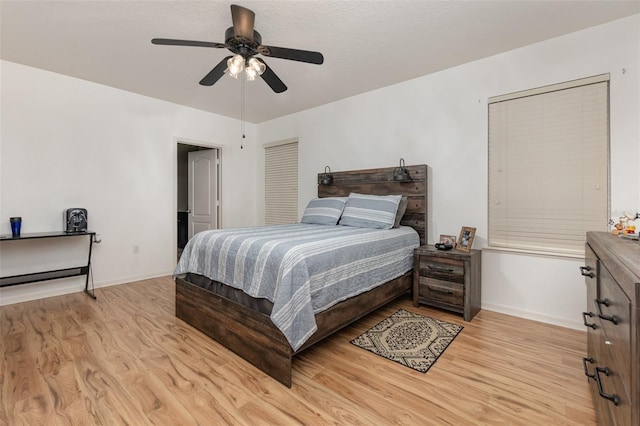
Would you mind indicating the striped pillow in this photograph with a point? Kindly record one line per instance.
(370, 211)
(324, 211)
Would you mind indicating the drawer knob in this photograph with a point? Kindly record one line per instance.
(584, 319)
(585, 271)
(606, 302)
(586, 369)
(613, 318)
(611, 397)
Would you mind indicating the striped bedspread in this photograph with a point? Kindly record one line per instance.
(301, 268)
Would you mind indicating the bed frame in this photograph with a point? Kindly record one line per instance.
(252, 335)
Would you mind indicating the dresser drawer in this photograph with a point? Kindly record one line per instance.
(442, 269)
(447, 292)
(614, 311)
(613, 382)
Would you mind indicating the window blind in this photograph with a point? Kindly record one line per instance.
(281, 182)
(548, 167)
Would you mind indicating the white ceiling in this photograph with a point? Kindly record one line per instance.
(366, 44)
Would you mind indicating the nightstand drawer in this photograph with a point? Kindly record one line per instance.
(442, 269)
(446, 292)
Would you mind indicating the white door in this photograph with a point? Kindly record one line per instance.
(203, 191)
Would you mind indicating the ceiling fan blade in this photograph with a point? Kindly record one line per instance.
(272, 79)
(292, 54)
(243, 20)
(215, 74)
(172, 42)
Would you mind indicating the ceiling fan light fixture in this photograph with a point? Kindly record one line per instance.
(251, 74)
(235, 65)
(256, 65)
(254, 69)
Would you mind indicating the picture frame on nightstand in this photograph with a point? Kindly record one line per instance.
(465, 241)
(448, 239)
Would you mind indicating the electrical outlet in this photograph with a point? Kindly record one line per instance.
(136, 249)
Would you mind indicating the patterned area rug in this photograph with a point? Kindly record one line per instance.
(412, 340)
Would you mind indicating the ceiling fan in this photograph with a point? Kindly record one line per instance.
(245, 42)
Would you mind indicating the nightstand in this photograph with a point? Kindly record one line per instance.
(448, 279)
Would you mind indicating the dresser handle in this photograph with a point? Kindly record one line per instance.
(611, 397)
(606, 302)
(435, 268)
(586, 370)
(585, 271)
(613, 318)
(440, 290)
(584, 319)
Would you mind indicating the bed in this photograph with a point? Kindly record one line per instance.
(244, 324)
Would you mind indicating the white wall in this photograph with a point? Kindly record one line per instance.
(441, 120)
(66, 143)
(70, 143)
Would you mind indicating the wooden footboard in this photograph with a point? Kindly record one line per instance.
(351, 310)
(252, 335)
(248, 333)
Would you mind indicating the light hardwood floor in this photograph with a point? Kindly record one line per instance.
(126, 359)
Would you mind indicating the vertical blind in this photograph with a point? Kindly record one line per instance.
(281, 182)
(548, 166)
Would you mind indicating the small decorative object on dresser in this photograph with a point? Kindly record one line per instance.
(467, 234)
(448, 279)
(612, 364)
(448, 239)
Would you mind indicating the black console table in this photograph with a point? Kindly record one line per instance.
(54, 274)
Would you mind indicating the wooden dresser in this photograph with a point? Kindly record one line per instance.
(612, 275)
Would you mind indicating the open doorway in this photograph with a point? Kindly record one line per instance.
(198, 184)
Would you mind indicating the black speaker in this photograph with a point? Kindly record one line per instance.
(75, 220)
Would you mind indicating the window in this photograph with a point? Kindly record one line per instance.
(281, 182)
(548, 166)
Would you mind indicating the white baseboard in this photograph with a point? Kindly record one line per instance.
(535, 316)
(40, 290)
(128, 280)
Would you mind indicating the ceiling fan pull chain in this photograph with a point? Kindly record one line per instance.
(242, 111)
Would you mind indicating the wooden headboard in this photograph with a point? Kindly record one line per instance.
(380, 182)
